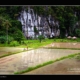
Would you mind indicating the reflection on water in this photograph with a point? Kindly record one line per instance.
(32, 58)
(64, 45)
(38, 56)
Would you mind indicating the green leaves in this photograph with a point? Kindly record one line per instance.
(78, 32)
(64, 14)
(18, 35)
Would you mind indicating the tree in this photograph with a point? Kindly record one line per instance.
(18, 35)
(73, 20)
(36, 31)
(6, 24)
(40, 37)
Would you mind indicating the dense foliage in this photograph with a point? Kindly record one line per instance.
(10, 27)
(67, 16)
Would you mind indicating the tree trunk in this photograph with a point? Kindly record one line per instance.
(7, 34)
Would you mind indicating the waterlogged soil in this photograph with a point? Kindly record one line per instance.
(63, 67)
(66, 66)
(64, 45)
(23, 60)
(7, 50)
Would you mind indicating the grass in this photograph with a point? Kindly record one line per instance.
(77, 57)
(31, 43)
(46, 63)
(37, 44)
(67, 40)
(61, 48)
(34, 44)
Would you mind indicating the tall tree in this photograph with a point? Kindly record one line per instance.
(6, 24)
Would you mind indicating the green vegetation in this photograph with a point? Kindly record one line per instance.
(10, 26)
(78, 32)
(29, 43)
(11, 29)
(46, 63)
(77, 57)
(14, 43)
(63, 48)
(66, 40)
(35, 43)
(41, 37)
(44, 41)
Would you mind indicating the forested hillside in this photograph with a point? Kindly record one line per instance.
(11, 28)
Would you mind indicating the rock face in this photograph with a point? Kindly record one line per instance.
(34, 25)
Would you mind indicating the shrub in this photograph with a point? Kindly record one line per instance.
(78, 32)
(18, 36)
(2, 33)
(14, 43)
(10, 39)
(41, 37)
(2, 39)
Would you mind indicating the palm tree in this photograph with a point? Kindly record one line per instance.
(6, 24)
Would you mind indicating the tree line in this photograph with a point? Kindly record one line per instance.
(11, 28)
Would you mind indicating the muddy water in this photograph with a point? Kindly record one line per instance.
(6, 50)
(21, 61)
(64, 45)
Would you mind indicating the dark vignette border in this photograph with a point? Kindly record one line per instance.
(39, 2)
